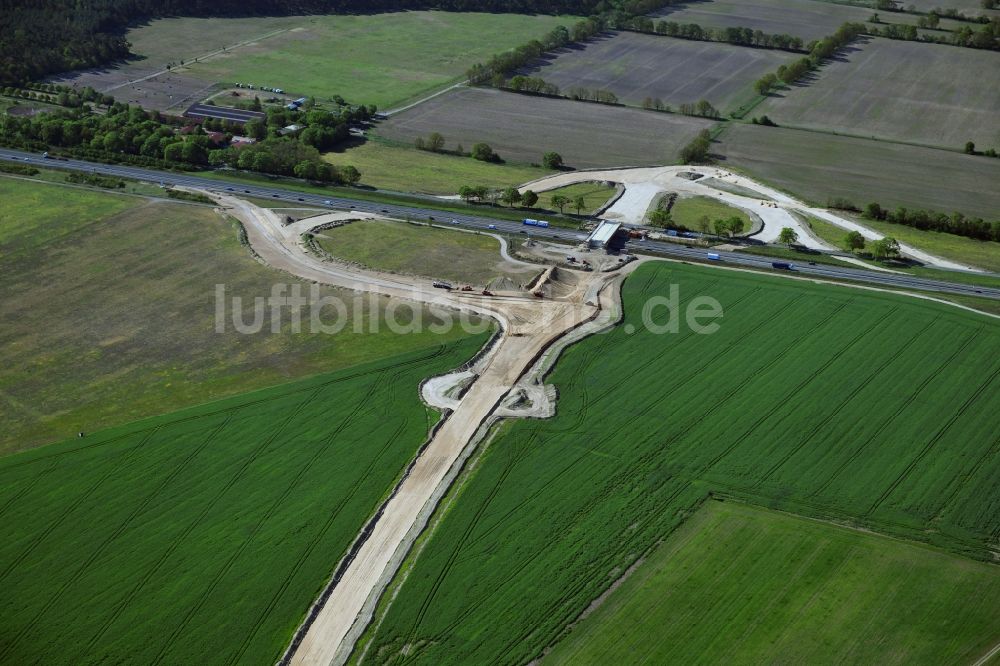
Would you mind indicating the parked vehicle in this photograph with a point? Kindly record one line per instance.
(441, 285)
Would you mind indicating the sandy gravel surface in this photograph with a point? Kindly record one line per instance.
(643, 184)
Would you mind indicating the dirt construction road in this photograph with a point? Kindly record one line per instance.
(529, 326)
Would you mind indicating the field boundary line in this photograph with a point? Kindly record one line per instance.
(136, 512)
(196, 59)
(362, 404)
(125, 458)
(988, 656)
(176, 543)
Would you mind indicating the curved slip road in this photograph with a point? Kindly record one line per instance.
(643, 184)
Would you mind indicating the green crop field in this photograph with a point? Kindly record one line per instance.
(688, 211)
(108, 307)
(420, 250)
(863, 170)
(889, 89)
(208, 531)
(406, 169)
(382, 59)
(810, 398)
(737, 583)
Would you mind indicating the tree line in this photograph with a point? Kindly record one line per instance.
(129, 134)
(734, 35)
(41, 37)
(956, 223)
(819, 51)
(987, 37)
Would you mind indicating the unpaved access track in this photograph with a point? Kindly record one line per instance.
(775, 208)
(530, 327)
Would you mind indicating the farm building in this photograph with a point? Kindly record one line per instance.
(602, 236)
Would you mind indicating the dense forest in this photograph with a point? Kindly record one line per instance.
(40, 37)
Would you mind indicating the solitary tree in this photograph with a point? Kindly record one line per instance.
(659, 218)
(788, 236)
(854, 241)
(970, 147)
(560, 201)
(350, 175)
(467, 193)
(552, 160)
(510, 196)
(529, 199)
(579, 203)
(704, 224)
(885, 248)
(435, 142)
(483, 153)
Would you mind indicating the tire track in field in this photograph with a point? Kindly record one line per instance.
(973, 471)
(87, 563)
(311, 546)
(779, 404)
(835, 411)
(126, 456)
(679, 384)
(579, 586)
(649, 367)
(899, 410)
(12, 500)
(175, 544)
(972, 399)
(432, 593)
(223, 410)
(363, 405)
(645, 459)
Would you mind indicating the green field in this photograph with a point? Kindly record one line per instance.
(874, 409)
(595, 195)
(687, 211)
(420, 250)
(982, 254)
(737, 583)
(108, 313)
(862, 170)
(403, 169)
(208, 531)
(382, 59)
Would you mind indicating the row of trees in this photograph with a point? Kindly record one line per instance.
(956, 223)
(987, 37)
(435, 143)
(698, 149)
(818, 52)
(733, 35)
(502, 66)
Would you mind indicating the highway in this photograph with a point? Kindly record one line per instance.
(427, 213)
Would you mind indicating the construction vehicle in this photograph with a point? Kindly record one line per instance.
(487, 292)
(466, 288)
